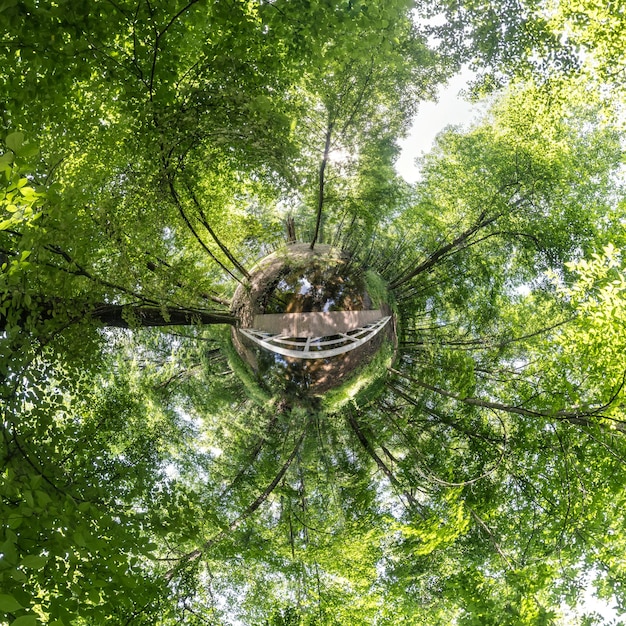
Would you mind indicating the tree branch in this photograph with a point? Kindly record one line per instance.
(484, 344)
(573, 416)
(250, 509)
(443, 251)
(152, 267)
(222, 247)
(189, 225)
(496, 545)
(381, 464)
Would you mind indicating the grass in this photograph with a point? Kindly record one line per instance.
(377, 289)
(250, 382)
(364, 386)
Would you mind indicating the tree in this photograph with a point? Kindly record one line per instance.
(153, 153)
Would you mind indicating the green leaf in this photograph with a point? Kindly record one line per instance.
(14, 141)
(43, 499)
(28, 150)
(8, 603)
(32, 561)
(25, 620)
(7, 4)
(19, 576)
(94, 595)
(9, 553)
(5, 160)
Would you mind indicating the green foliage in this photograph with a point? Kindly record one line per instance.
(151, 155)
(501, 40)
(595, 341)
(364, 385)
(68, 537)
(377, 289)
(595, 28)
(253, 387)
(19, 199)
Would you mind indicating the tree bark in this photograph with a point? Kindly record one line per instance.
(127, 316)
(114, 315)
(320, 193)
(291, 230)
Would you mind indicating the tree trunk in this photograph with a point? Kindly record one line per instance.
(320, 192)
(291, 230)
(114, 315)
(128, 316)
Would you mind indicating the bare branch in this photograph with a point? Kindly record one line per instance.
(458, 242)
(491, 536)
(381, 464)
(222, 247)
(193, 231)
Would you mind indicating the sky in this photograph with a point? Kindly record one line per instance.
(433, 117)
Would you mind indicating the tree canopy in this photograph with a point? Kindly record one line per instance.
(151, 153)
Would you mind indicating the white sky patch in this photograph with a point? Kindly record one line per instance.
(171, 471)
(431, 119)
(523, 290)
(589, 603)
(339, 155)
(215, 451)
